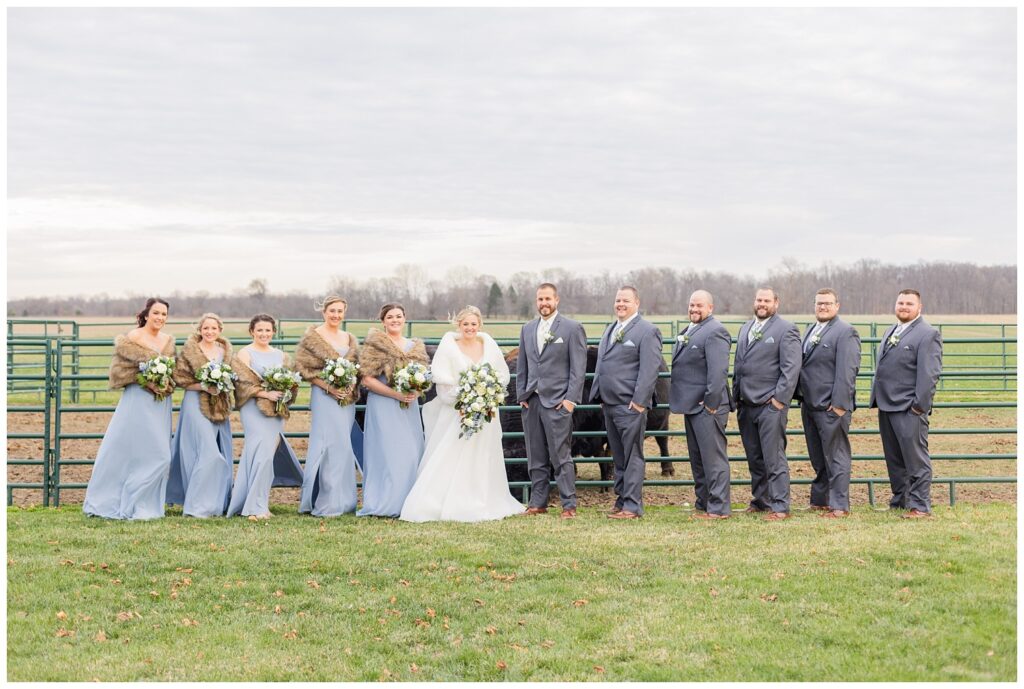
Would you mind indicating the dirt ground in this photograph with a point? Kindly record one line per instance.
(91, 422)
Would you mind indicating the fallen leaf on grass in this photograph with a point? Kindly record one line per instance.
(403, 582)
(990, 654)
(67, 562)
(860, 561)
(61, 615)
(501, 665)
(323, 527)
(126, 615)
(61, 633)
(278, 593)
(598, 668)
(491, 630)
(115, 582)
(769, 598)
(714, 593)
(154, 594)
(414, 668)
(778, 575)
(479, 602)
(517, 647)
(293, 634)
(580, 603)
(421, 623)
(431, 613)
(187, 622)
(53, 542)
(100, 636)
(277, 609)
(313, 584)
(547, 643)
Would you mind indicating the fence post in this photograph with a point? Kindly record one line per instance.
(47, 408)
(76, 364)
(58, 395)
(871, 490)
(10, 355)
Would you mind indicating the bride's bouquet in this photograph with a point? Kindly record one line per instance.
(283, 380)
(413, 377)
(480, 395)
(341, 373)
(157, 371)
(219, 376)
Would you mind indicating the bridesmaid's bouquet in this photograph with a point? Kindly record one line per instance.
(157, 372)
(341, 373)
(413, 377)
(283, 380)
(219, 376)
(480, 395)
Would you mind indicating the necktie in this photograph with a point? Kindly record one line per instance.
(542, 332)
(810, 340)
(752, 333)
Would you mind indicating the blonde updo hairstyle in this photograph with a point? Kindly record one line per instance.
(467, 311)
(322, 304)
(198, 334)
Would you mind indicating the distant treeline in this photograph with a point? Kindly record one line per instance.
(865, 287)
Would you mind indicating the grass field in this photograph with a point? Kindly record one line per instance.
(297, 598)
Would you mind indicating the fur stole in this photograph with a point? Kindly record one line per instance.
(381, 356)
(249, 383)
(214, 407)
(313, 351)
(124, 365)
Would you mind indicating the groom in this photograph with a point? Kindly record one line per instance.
(550, 370)
(627, 369)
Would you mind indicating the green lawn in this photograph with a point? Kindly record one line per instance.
(871, 598)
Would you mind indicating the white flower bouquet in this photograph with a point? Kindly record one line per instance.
(480, 395)
(413, 377)
(219, 376)
(157, 372)
(283, 380)
(341, 373)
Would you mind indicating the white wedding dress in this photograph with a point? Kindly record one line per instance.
(460, 479)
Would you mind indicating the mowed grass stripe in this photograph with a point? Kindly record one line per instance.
(870, 598)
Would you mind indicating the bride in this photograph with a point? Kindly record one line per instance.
(461, 479)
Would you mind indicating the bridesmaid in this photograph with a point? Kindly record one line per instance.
(201, 458)
(129, 478)
(393, 437)
(329, 477)
(267, 459)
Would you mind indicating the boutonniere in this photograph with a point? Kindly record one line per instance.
(685, 339)
(758, 335)
(894, 340)
(548, 337)
(619, 336)
(815, 339)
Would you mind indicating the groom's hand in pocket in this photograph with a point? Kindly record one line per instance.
(568, 406)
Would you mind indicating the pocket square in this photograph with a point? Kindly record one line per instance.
(906, 346)
(559, 341)
(693, 346)
(825, 346)
(769, 340)
(629, 343)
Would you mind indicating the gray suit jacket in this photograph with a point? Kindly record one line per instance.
(557, 373)
(907, 373)
(627, 371)
(828, 376)
(768, 367)
(700, 370)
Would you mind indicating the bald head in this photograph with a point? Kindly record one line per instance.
(701, 306)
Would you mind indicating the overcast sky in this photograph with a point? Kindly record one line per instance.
(153, 150)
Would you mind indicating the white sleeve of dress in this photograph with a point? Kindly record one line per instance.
(496, 359)
(447, 394)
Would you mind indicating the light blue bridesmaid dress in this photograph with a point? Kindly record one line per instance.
(392, 448)
(267, 459)
(129, 478)
(200, 477)
(329, 478)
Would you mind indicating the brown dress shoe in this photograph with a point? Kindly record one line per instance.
(569, 513)
(834, 514)
(915, 514)
(624, 514)
(820, 508)
(775, 516)
(536, 510)
(708, 515)
(615, 510)
(754, 510)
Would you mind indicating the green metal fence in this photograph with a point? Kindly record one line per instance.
(54, 367)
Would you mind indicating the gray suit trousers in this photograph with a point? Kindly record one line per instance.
(905, 444)
(548, 439)
(709, 461)
(763, 430)
(626, 440)
(828, 445)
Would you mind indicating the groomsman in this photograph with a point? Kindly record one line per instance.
(550, 370)
(767, 364)
(827, 389)
(627, 369)
(700, 391)
(908, 365)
